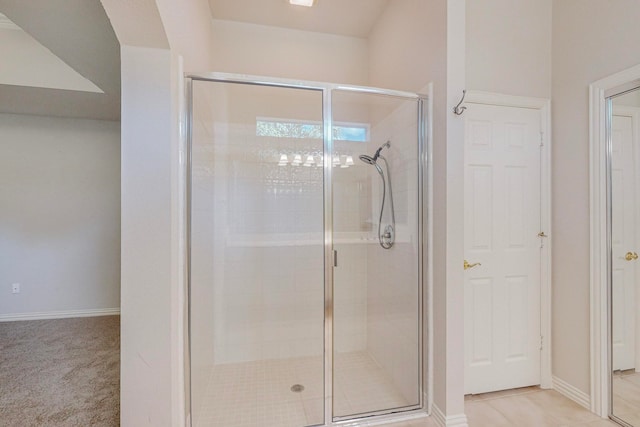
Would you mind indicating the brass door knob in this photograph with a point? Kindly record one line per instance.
(468, 266)
(631, 256)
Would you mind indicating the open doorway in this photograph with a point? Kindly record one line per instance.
(60, 216)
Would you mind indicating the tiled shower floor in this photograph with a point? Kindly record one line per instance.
(258, 394)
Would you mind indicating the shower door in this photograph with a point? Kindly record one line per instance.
(257, 256)
(377, 217)
(305, 252)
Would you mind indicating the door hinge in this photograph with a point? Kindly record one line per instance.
(335, 258)
(541, 342)
(541, 139)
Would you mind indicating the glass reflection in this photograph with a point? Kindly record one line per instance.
(257, 258)
(625, 263)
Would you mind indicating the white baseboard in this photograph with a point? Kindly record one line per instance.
(571, 392)
(59, 314)
(441, 420)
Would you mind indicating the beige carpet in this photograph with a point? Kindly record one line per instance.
(60, 372)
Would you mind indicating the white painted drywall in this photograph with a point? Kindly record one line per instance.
(60, 215)
(188, 28)
(136, 23)
(149, 235)
(294, 54)
(591, 40)
(153, 322)
(508, 47)
(403, 47)
(28, 63)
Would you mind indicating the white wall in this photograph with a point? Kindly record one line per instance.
(509, 47)
(149, 236)
(28, 63)
(188, 28)
(591, 40)
(277, 52)
(60, 216)
(405, 44)
(153, 297)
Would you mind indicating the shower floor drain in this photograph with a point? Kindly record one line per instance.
(297, 388)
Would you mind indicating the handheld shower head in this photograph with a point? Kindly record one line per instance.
(371, 161)
(367, 159)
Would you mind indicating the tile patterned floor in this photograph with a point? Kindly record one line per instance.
(361, 386)
(527, 407)
(258, 394)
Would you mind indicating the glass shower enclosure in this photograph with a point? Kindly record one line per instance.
(306, 246)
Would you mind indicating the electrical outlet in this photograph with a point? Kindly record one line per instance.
(15, 288)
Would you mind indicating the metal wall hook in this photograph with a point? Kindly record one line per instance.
(458, 110)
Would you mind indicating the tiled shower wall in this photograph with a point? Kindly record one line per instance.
(259, 251)
(273, 265)
(269, 229)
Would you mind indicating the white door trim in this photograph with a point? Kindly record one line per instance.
(544, 106)
(599, 332)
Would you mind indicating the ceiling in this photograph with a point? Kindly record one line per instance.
(353, 18)
(77, 40)
(25, 62)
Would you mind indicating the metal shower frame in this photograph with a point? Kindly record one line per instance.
(327, 90)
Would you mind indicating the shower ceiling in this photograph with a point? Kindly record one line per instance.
(353, 18)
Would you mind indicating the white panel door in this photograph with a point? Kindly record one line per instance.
(502, 222)
(623, 241)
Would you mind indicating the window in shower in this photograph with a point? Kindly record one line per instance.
(287, 128)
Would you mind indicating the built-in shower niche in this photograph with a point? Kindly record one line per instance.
(258, 288)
